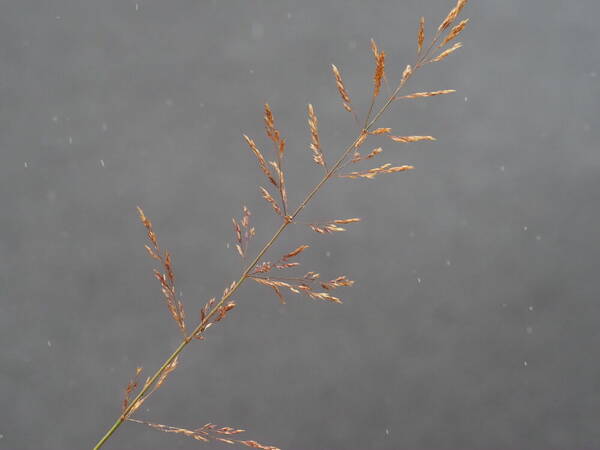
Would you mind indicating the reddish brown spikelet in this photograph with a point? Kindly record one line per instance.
(412, 138)
(421, 35)
(337, 282)
(243, 232)
(315, 144)
(294, 253)
(149, 230)
(262, 163)
(374, 152)
(361, 139)
(429, 94)
(341, 88)
(343, 221)
(223, 310)
(331, 226)
(272, 132)
(269, 198)
(379, 68)
(454, 32)
(323, 296)
(381, 131)
(447, 52)
(130, 389)
(452, 15)
(372, 173)
(258, 445)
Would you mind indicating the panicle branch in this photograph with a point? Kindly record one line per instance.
(207, 433)
(167, 277)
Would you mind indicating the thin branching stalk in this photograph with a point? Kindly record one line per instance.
(215, 310)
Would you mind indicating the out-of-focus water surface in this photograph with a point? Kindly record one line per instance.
(474, 322)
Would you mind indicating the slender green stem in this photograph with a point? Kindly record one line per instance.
(287, 221)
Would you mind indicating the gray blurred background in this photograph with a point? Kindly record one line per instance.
(474, 322)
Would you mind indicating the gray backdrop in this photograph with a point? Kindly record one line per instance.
(474, 320)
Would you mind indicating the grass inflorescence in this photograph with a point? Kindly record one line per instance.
(278, 273)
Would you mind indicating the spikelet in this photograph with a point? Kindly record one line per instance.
(372, 173)
(374, 152)
(379, 74)
(454, 32)
(412, 138)
(406, 74)
(315, 144)
(331, 226)
(381, 131)
(130, 389)
(272, 132)
(361, 139)
(445, 53)
(341, 88)
(337, 282)
(269, 198)
(452, 15)
(261, 160)
(243, 232)
(294, 253)
(421, 35)
(428, 94)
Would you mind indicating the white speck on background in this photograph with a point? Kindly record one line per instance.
(466, 99)
(49, 344)
(102, 162)
(251, 71)
(25, 164)
(328, 253)
(525, 228)
(525, 363)
(137, 6)
(502, 168)
(529, 330)
(1, 436)
(448, 262)
(538, 238)
(418, 280)
(530, 308)
(228, 245)
(387, 431)
(70, 139)
(54, 119)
